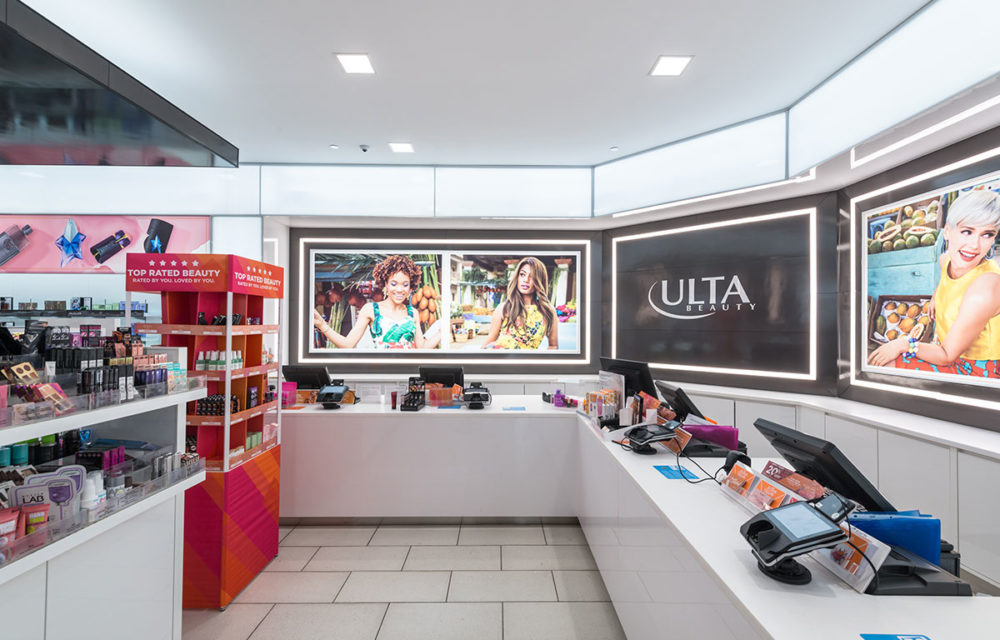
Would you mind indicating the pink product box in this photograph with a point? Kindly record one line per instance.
(270, 431)
(726, 436)
(288, 390)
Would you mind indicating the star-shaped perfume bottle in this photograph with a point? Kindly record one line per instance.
(70, 243)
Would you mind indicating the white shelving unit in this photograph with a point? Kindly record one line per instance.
(121, 573)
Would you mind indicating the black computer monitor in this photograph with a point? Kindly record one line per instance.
(823, 462)
(678, 401)
(637, 376)
(306, 376)
(447, 376)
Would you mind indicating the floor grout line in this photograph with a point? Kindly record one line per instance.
(256, 626)
(385, 614)
(344, 584)
(447, 592)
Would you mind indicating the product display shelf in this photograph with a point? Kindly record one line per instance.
(42, 579)
(231, 519)
(82, 534)
(69, 313)
(206, 329)
(236, 373)
(240, 416)
(82, 418)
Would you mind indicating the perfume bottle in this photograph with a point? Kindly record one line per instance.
(12, 241)
(107, 248)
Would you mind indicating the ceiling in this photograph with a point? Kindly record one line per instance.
(553, 82)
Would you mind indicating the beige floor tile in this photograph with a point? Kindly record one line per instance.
(347, 536)
(298, 587)
(460, 558)
(501, 586)
(237, 622)
(443, 621)
(580, 586)
(561, 621)
(395, 586)
(563, 534)
(283, 531)
(291, 558)
(414, 535)
(321, 622)
(358, 559)
(501, 534)
(533, 557)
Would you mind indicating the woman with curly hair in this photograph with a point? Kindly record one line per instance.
(392, 322)
(527, 316)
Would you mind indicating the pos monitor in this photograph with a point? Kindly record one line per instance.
(636, 374)
(306, 376)
(447, 376)
(678, 401)
(823, 462)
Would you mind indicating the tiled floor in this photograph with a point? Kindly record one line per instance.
(417, 582)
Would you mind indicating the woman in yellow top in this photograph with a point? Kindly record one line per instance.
(527, 316)
(966, 303)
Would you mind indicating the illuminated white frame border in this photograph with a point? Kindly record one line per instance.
(811, 175)
(853, 319)
(788, 375)
(584, 356)
(857, 161)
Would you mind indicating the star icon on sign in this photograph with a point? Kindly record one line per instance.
(184, 263)
(195, 263)
(163, 263)
(173, 263)
(152, 263)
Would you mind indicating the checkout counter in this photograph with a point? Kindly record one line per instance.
(669, 552)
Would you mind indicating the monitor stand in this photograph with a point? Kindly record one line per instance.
(788, 571)
(906, 574)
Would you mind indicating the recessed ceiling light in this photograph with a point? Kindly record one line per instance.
(401, 147)
(355, 62)
(670, 65)
(614, 148)
(334, 146)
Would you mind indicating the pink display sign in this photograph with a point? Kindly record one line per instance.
(203, 272)
(94, 244)
(256, 278)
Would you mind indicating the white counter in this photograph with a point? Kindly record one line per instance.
(669, 552)
(366, 460)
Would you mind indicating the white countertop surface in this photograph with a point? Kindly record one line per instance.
(826, 608)
(509, 406)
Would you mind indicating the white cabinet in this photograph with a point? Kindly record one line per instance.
(22, 606)
(721, 410)
(978, 515)
(811, 422)
(858, 442)
(913, 474)
(747, 412)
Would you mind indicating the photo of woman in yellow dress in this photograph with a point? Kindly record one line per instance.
(527, 316)
(966, 301)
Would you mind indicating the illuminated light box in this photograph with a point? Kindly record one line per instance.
(366, 300)
(737, 296)
(921, 261)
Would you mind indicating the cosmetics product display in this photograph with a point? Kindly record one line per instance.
(215, 405)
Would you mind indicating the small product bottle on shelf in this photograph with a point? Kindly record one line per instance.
(199, 364)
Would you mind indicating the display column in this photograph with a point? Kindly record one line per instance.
(214, 306)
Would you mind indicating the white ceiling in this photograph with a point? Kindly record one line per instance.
(470, 82)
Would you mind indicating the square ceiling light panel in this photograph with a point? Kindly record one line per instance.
(355, 63)
(670, 65)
